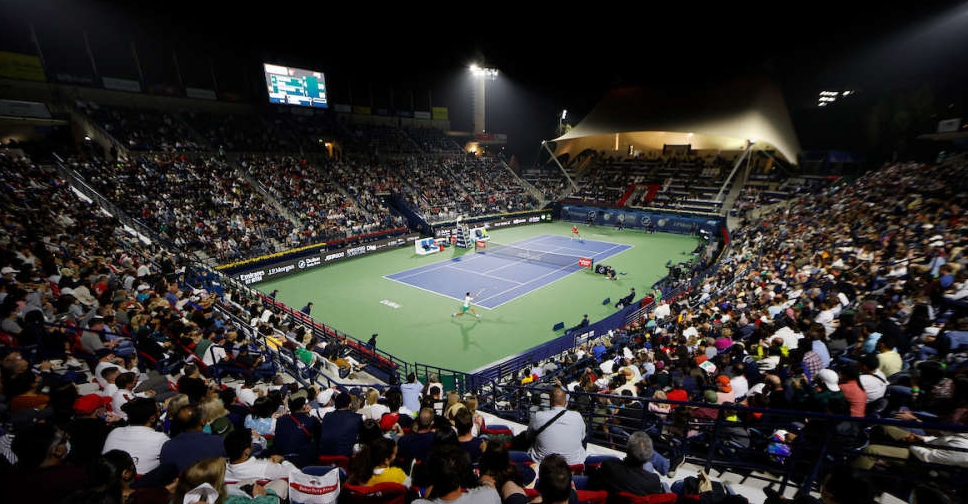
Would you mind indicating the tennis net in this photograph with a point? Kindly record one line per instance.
(539, 256)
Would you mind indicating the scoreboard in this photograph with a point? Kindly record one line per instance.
(295, 86)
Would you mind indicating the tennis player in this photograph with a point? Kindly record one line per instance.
(575, 233)
(467, 306)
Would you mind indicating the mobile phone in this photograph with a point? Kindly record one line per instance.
(247, 489)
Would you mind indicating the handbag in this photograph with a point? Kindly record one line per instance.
(307, 488)
(523, 440)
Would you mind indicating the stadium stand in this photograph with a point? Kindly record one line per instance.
(829, 335)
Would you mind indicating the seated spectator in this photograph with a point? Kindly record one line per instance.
(554, 484)
(28, 390)
(191, 444)
(373, 409)
(464, 424)
(97, 342)
(90, 428)
(471, 402)
(246, 392)
(110, 378)
(629, 474)
(416, 444)
(42, 451)
(212, 471)
(453, 480)
(106, 361)
(215, 416)
(111, 477)
(565, 431)
(374, 464)
(262, 419)
(193, 383)
(296, 433)
(928, 449)
(238, 411)
(398, 417)
(872, 379)
(242, 465)
(126, 383)
(339, 428)
(495, 463)
(139, 438)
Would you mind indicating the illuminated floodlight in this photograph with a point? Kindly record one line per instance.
(482, 72)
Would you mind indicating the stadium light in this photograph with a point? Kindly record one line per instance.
(481, 76)
(482, 72)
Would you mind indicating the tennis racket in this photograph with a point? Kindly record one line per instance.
(479, 292)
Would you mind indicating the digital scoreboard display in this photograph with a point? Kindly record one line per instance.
(295, 86)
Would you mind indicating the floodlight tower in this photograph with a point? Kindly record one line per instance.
(481, 76)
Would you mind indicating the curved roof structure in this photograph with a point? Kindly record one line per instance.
(722, 116)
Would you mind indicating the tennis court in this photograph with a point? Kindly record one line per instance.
(501, 273)
(415, 324)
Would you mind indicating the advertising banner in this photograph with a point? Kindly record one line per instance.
(638, 219)
(21, 66)
(298, 265)
(121, 84)
(446, 229)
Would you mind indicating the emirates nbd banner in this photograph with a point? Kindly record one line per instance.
(292, 266)
(638, 219)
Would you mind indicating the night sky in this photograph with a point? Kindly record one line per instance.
(551, 56)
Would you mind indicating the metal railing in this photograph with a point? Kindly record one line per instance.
(744, 439)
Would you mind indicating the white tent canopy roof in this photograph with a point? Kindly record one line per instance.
(723, 116)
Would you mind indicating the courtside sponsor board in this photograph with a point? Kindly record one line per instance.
(292, 266)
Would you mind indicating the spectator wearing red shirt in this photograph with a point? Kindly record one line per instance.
(853, 392)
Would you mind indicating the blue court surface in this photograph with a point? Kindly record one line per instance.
(499, 279)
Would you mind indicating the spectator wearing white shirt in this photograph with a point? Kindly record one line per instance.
(872, 379)
(373, 409)
(107, 361)
(243, 466)
(125, 393)
(958, 290)
(139, 438)
(110, 375)
(791, 339)
(739, 382)
(246, 392)
(826, 317)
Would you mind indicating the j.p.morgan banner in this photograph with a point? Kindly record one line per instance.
(298, 265)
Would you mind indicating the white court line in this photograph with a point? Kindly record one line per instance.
(450, 263)
(532, 280)
(446, 263)
(441, 294)
(559, 238)
(487, 274)
(558, 247)
(616, 245)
